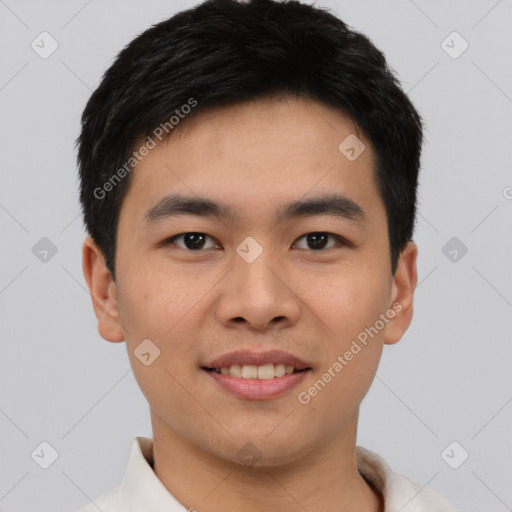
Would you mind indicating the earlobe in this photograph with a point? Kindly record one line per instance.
(103, 291)
(402, 293)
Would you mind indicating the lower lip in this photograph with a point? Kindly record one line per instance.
(257, 389)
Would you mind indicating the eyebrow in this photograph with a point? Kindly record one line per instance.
(335, 205)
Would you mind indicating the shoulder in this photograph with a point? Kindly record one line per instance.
(398, 491)
(108, 501)
(412, 496)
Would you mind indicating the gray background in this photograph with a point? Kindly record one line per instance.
(449, 378)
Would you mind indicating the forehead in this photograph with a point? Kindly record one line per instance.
(286, 127)
(252, 153)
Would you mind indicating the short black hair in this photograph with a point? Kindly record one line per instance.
(225, 52)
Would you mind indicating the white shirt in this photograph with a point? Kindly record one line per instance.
(142, 491)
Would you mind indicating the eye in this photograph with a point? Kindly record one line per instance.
(195, 241)
(318, 241)
(191, 241)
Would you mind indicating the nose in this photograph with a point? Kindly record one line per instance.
(258, 295)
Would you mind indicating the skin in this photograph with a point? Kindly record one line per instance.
(196, 306)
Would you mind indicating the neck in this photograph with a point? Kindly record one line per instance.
(325, 479)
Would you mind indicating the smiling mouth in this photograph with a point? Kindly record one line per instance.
(263, 372)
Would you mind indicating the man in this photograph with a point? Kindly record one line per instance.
(248, 181)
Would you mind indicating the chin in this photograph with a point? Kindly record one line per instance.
(261, 452)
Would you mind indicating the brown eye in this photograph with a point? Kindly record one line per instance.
(318, 240)
(190, 241)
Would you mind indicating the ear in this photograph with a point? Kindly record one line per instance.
(402, 292)
(103, 291)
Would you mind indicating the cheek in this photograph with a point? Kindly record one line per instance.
(162, 311)
(353, 304)
(350, 304)
(347, 300)
(160, 308)
(156, 301)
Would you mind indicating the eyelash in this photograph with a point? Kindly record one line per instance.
(342, 242)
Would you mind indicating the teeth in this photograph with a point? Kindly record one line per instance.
(279, 370)
(249, 371)
(266, 371)
(235, 370)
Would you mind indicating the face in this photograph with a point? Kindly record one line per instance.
(254, 285)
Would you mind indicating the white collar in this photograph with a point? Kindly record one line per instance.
(141, 490)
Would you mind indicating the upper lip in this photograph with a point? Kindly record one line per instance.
(249, 357)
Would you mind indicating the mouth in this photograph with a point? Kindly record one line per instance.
(250, 371)
(257, 376)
